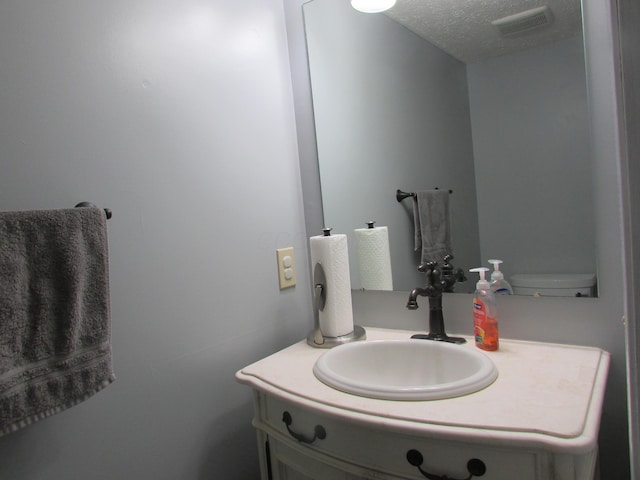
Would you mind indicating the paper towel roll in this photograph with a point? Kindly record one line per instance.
(336, 319)
(374, 258)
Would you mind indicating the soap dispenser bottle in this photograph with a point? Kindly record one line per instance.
(499, 285)
(485, 313)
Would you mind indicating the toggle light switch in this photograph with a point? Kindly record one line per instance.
(286, 267)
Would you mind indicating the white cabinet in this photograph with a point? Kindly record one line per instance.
(307, 430)
(355, 451)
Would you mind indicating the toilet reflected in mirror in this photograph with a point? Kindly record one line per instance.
(554, 285)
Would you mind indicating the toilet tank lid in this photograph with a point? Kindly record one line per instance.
(553, 280)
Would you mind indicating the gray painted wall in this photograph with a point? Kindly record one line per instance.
(177, 115)
(531, 147)
(565, 320)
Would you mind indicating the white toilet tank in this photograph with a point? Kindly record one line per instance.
(554, 284)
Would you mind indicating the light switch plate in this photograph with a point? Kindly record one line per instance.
(286, 267)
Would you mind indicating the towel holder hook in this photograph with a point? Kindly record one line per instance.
(107, 211)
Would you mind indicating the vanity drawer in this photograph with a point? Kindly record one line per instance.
(386, 452)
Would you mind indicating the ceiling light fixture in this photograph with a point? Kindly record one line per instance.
(372, 6)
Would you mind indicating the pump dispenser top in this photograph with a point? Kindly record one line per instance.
(498, 283)
(483, 283)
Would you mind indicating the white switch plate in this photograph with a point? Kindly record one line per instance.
(286, 267)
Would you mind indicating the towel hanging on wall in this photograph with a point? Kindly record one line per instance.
(432, 225)
(55, 318)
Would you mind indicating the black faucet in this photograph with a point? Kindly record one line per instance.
(438, 281)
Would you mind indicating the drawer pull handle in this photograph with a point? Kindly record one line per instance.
(475, 467)
(318, 432)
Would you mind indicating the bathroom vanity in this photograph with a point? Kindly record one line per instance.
(538, 420)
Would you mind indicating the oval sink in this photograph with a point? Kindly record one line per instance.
(405, 369)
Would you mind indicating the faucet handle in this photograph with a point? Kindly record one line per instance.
(427, 267)
(433, 274)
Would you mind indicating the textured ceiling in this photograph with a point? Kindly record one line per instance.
(463, 27)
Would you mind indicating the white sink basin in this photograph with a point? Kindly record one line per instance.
(405, 369)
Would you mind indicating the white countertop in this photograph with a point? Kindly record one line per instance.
(546, 395)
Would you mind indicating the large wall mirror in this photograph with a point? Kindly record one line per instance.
(431, 94)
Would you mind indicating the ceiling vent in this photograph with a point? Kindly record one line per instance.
(524, 21)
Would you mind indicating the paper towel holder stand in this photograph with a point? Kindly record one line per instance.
(316, 337)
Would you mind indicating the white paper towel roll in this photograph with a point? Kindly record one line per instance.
(336, 319)
(374, 258)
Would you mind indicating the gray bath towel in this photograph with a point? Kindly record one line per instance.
(432, 225)
(55, 325)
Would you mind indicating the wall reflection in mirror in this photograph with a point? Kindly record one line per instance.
(500, 120)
